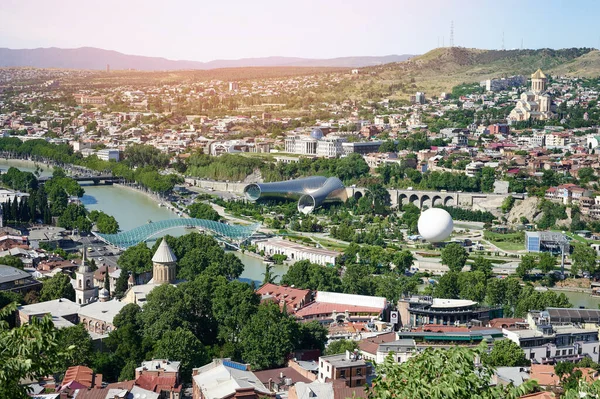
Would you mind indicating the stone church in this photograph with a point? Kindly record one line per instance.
(536, 103)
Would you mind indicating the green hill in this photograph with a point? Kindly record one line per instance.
(443, 68)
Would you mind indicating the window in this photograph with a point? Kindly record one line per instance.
(531, 355)
(342, 373)
(359, 372)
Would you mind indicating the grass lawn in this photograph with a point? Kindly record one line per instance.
(508, 246)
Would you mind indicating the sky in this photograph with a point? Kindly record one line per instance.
(205, 30)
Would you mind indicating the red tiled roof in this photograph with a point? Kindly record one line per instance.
(316, 308)
(157, 383)
(83, 375)
(274, 375)
(293, 297)
(370, 345)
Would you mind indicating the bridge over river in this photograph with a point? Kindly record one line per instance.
(106, 179)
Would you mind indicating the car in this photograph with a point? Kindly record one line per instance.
(100, 258)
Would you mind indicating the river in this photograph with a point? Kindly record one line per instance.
(132, 208)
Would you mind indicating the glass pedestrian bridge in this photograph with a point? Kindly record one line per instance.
(229, 233)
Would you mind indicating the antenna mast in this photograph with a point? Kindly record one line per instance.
(451, 33)
(502, 40)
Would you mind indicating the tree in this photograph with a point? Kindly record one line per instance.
(269, 276)
(547, 262)
(30, 351)
(56, 287)
(505, 353)
(234, 303)
(311, 276)
(13, 261)
(312, 335)
(340, 346)
(182, 345)
(75, 336)
(403, 260)
(121, 284)
(75, 217)
(454, 256)
(107, 224)
(137, 259)
(200, 210)
(527, 264)
(569, 375)
(447, 286)
(584, 259)
(441, 374)
(483, 265)
(507, 204)
(268, 337)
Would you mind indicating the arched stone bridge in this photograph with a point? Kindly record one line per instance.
(430, 199)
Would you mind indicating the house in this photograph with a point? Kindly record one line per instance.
(225, 379)
(160, 376)
(325, 390)
(348, 367)
(369, 347)
(80, 377)
(282, 379)
(17, 280)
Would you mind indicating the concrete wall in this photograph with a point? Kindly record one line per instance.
(231, 187)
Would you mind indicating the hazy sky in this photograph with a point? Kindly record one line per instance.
(204, 30)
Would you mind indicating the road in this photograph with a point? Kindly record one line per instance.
(100, 251)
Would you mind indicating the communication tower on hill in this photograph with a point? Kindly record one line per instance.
(502, 40)
(451, 33)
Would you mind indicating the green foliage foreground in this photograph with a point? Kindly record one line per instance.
(442, 374)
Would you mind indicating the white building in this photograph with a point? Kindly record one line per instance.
(296, 252)
(108, 154)
(330, 147)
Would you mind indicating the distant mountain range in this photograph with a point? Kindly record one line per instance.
(95, 58)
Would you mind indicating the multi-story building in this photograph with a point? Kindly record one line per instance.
(297, 252)
(420, 98)
(303, 145)
(547, 343)
(334, 307)
(330, 147)
(557, 139)
(363, 147)
(503, 83)
(108, 154)
(420, 310)
(546, 241)
(348, 367)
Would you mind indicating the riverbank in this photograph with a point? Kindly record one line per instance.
(27, 164)
(155, 198)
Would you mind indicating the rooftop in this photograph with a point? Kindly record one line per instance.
(57, 307)
(164, 253)
(222, 378)
(9, 274)
(104, 311)
(343, 360)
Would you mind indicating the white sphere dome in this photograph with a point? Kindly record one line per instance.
(435, 225)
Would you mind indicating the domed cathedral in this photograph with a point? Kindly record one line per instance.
(85, 291)
(535, 104)
(164, 264)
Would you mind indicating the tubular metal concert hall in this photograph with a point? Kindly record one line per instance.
(311, 192)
